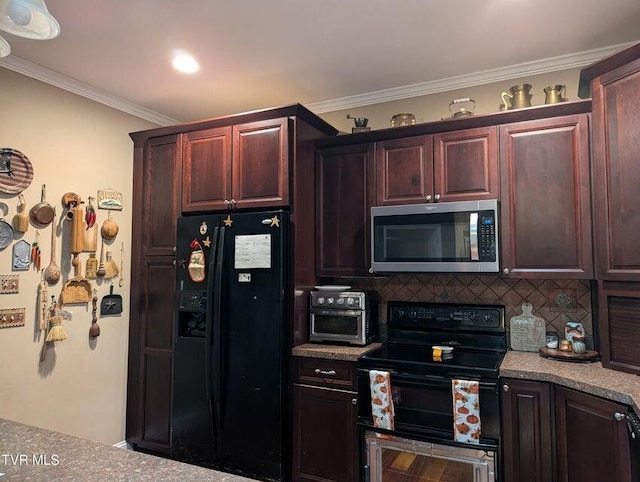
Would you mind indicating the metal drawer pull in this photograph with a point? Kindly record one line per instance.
(325, 372)
(618, 416)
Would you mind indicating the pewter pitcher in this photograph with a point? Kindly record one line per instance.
(519, 97)
(554, 94)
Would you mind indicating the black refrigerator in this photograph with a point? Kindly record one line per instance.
(229, 377)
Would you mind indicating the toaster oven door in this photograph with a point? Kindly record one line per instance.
(337, 325)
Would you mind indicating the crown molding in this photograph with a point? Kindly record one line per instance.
(35, 71)
(553, 64)
(537, 67)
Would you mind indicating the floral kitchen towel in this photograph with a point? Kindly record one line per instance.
(381, 401)
(466, 411)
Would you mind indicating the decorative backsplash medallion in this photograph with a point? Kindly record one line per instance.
(557, 301)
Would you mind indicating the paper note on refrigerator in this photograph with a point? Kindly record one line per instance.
(253, 251)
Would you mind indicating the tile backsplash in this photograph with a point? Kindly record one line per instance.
(556, 301)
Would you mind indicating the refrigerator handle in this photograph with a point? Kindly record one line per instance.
(209, 319)
(218, 346)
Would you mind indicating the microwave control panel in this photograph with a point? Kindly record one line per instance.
(487, 236)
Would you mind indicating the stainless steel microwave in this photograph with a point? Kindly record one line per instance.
(456, 237)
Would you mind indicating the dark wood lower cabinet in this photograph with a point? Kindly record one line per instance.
(555, 433)
(592, 440)
(527, 440)
(326, 441)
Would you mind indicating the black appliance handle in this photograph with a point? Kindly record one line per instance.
(208, 320)
(424, 380)
(217, 336)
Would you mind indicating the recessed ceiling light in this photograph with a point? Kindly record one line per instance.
(185, 63)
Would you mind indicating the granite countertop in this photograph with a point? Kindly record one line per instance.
(333, 352)
(587, 377)
(33, 454)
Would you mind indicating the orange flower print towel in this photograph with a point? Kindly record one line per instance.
(466, 411)
(381, 401)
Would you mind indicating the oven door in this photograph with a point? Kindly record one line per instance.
(394, 459)
(423, 406)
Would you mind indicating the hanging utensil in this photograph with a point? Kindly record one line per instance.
(42, 213)
(121, 280)
(94, 331)
(111, 304)
(52, 272)
(21, 218)
(6, 230)
(78, 289)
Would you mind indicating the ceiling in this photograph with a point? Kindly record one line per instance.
(325, 54)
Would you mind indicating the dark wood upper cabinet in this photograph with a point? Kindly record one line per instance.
(527, 431)
(592, 438)
(404, 170)
(451, 166)
(546, 198)
(207, 169)
(618, 325)
(240, 166)
(344, 190)
(466, 164)
(616, 123)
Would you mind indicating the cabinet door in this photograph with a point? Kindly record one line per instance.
(325, 440)
(260, 169)
(206, 169)
(592, 440)
(156, 198)
(404, 170)
(527, 439)
(344, 190)
(545, 202)
(616, 122)
(618, 326)
(466, 165)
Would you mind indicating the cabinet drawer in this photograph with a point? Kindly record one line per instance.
(323, 372)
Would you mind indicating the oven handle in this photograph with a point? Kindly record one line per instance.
(424, 379)
(351, 313)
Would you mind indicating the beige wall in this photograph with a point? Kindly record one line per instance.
(75, 145)
(434, 107)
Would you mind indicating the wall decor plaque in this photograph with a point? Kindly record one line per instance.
(9, 283)
(12, 317)
(110, 199)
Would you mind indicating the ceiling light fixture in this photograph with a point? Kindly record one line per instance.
(185, 63)
(28, 19)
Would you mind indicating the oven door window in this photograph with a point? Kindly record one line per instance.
(336, 322)
(398, 459)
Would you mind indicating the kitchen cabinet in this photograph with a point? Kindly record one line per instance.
(450, 166)
(239, 166)
(546, 198)
(527, 424)
(552, 432)
(592, 439)
(615, 86)
(326, 444)
(344, 190)
(156, 198)
(618, 312)
(259, 159)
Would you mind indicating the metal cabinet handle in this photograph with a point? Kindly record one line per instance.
(233, 201)
(619, 416)
(354, 401)
(436, 197)
(505, 388)
(505, 271)
(428, 197)
(325, 372)
(227, 202)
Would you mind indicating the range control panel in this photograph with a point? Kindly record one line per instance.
(429, 316)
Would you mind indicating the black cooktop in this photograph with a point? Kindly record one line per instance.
(420, 359)
(476, 334)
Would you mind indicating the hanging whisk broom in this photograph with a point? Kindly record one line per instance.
(110, 267)
(56, 332)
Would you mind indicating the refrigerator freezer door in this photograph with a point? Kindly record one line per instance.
(250, 372)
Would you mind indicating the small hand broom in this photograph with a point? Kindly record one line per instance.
(56, 332)
(110, 267)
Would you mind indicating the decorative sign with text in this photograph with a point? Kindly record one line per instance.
(109, 199)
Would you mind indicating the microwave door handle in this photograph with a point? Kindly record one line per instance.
(473, 236)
